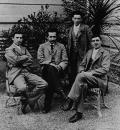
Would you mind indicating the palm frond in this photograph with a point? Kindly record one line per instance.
(100, 15)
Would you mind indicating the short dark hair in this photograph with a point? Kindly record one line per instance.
(17, 32)
(77, 13)
(97, 36)
(52, 30)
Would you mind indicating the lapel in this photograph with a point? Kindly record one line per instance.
(81, 28)
(98, 55)
(49, 49)
(47, 46)
(16, 50)
(70, 33)
(55, 48)
(89, 55)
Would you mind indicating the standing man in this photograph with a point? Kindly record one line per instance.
(18, 60)
(52, 56)
(78, 44)
(93, 71)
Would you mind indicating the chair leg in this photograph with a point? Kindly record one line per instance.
(103, 102)
(98, 104)
(10, 102)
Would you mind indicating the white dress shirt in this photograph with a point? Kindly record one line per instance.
(95, 51)
(76, 29)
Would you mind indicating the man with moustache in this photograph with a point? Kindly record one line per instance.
(53, 58)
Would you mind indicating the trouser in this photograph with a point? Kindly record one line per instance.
(75, 60)
(51, 75)
(37, 81)
(77, 90)
(73, 68)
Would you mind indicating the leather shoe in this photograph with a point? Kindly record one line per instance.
(77, 116)
(19, 93)
(68, 105)
(63, 94)
(32, 101)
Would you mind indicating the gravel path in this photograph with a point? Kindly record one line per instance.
(58, 120)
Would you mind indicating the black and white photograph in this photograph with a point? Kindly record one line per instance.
(59, 65)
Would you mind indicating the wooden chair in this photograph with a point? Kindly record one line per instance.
(96, 94)
(11, 90)
(12, 100)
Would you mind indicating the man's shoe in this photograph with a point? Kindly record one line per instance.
(19, 93)
(32, 101)
(63, 94)
(68, 105)
(77, 116)
(34, 93)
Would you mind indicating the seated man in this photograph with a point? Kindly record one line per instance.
(52, 56)
(18, 59)
(92, 71)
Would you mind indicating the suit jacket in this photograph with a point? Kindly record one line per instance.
(60, 56)
(84, 36)
(100, 66)
(16, 61)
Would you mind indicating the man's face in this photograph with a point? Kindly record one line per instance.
(77, 19)
(96, 42)
(52, 36)
(17, 39)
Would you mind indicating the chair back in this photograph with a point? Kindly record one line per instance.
(10, 89)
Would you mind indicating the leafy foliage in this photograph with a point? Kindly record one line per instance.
(100, 15)
(97, 13)
(34, 27)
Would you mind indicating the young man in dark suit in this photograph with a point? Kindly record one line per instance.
(79, 38)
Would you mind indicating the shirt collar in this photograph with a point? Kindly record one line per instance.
(76, 26)
(16, 45)
(52, 43)
(96, 49)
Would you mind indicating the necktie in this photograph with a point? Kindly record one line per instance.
(52, 52)
(52, 47)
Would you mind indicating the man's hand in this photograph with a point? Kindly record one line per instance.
(56, 66)
(25, 57)
(47, 62)
(89, 73)
(53, 65)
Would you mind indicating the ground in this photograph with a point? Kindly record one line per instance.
(58, 119)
